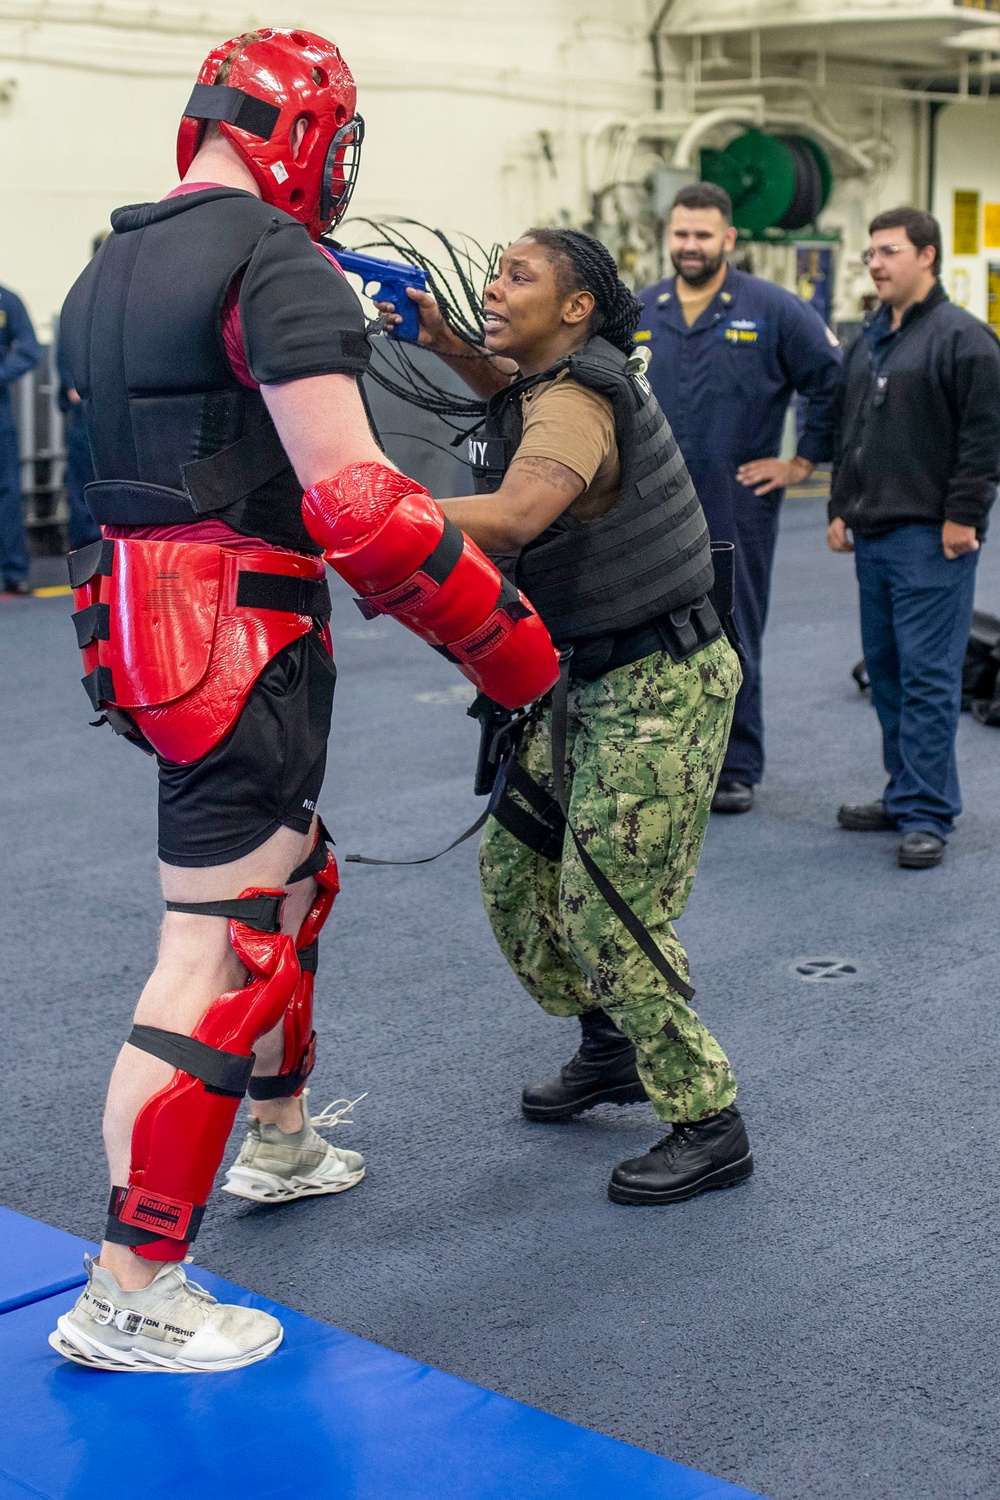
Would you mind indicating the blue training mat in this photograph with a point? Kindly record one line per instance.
(328, 1416)
(36, 1261)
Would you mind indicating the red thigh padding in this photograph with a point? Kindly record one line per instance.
(180, 1133)
(179, 653)
(386, 536)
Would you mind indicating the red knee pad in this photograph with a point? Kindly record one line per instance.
(392, 543)
(299, 1037)
(180, 1134)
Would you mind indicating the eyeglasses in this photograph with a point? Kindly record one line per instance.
(880, 252)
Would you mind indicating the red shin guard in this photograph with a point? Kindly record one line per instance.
(385, 535)
(180, 1133)
(299, 1037)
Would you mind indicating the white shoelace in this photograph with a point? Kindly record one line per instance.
(335, 1113)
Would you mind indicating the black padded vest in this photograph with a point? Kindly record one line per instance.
(650, 554)
(175, 436)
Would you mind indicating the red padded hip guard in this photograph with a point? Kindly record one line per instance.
(183, 656)
(390, 541)
(180, 1134)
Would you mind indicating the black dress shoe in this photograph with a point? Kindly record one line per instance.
(603, 1071)
(865, 817)
(732, 797)
(692, 1159)
(920, 851)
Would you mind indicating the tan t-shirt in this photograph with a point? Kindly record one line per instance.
(572, 425)
(694, 301)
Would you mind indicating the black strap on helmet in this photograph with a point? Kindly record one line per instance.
(217, 101)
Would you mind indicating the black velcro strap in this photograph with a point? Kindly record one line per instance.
(262, 913)
(117, 1233)
(297, 596)
(536, 796)
(220, 480)
(436, 566)
(529, 830)
(128, 502)
(439, 563)
(309, 957)
(226, 1073)
(96, 557)
(214, 101)
(99, 686)
(312, 864)
(92, 624)
(509, 603)
(278, 1085)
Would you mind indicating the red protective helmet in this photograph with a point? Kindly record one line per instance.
(275, 78)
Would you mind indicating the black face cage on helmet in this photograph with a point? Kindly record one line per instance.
(334, 197)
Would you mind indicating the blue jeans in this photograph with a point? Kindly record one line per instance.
(13, 546)
(916, 614)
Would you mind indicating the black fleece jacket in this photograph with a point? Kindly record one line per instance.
(918, 436)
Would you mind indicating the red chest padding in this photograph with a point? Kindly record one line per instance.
(176, 633)
(180, 1133)
(391, 542)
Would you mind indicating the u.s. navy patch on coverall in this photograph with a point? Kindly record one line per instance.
(645, 745)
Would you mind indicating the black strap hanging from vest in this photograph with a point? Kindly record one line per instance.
(364, 859)
(632, 924)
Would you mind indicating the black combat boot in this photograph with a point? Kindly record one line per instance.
(602, 1072)
(692, 1159)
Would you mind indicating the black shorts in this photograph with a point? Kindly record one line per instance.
(267, 772)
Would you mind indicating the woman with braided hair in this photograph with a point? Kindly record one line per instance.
(585, 500)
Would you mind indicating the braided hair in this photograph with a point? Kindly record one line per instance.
(584, 264)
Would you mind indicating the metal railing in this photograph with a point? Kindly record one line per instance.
(42, 446)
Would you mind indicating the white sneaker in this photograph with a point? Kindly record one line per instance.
(273, 1167)
(171, 1326)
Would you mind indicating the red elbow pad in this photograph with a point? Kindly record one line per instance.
(392, 543)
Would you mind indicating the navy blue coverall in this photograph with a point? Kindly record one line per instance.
(20, 352)
(81, 527)
(724, 385)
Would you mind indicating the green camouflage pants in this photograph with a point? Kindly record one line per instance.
(644, 748)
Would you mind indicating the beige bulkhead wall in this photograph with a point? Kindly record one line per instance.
(455, 94)
(480, 118)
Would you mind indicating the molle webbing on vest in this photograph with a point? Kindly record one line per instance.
(646, 556)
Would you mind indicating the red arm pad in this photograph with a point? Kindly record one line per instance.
(384, 534)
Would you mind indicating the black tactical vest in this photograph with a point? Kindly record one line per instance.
(175, 436)
(647, 556)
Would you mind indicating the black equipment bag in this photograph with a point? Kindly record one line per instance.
(980, 671)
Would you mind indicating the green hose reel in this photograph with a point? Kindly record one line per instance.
(775, 181)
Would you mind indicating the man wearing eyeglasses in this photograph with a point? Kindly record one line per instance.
(915, 472)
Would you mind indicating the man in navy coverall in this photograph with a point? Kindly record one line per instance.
(19, 353)
(728, 351)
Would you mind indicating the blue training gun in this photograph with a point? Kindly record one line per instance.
(386, 281)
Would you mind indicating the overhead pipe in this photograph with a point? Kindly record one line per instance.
(752, 112)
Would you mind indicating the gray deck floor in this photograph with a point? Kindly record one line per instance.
(828, 1331)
